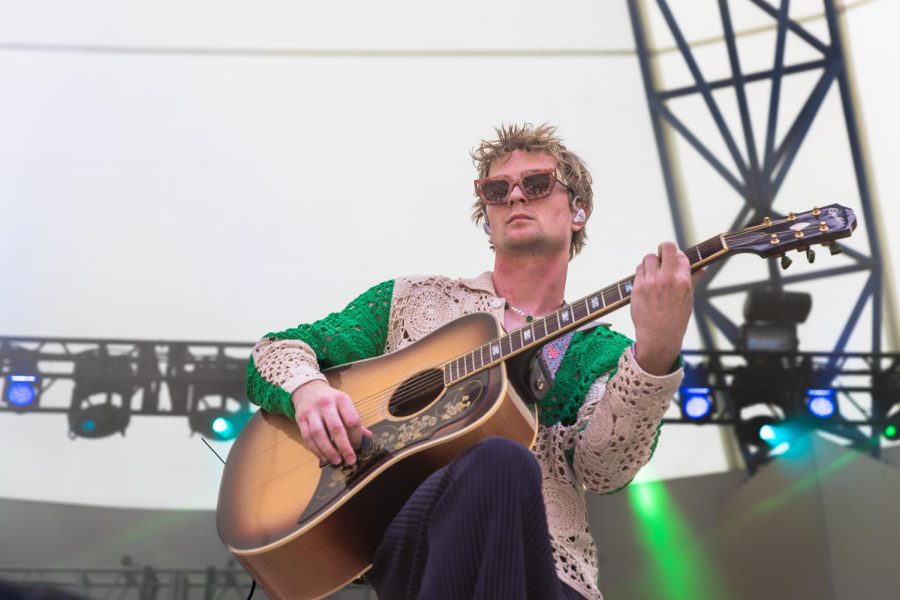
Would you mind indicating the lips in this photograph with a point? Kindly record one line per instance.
(517, 217)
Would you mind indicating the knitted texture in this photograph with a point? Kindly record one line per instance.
(357, 332)
(630, 411)
(591, 353)
(284, 360)
(600, 429)
(421, 304)
(604, 425)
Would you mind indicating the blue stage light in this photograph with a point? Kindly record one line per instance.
(21, 390)
(696, 403)
(821, 403)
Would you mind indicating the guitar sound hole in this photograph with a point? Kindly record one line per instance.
(416, 393)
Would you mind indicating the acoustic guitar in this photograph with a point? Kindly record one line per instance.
(304, 529)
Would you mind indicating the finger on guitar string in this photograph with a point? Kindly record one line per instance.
(304, 436)
(661, 304)
(670, 258)
(337, 431)
(319, 433)
(352, 422)
(651, 267)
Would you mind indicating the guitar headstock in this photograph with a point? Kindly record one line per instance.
(800, 231)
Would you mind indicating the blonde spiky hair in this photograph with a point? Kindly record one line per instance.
(542, 138)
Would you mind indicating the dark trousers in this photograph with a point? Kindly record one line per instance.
(476, 528)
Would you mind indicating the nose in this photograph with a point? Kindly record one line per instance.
(516, 195)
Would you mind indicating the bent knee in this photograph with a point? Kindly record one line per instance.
(504, 456)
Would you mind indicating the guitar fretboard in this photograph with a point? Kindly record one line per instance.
(540, 331)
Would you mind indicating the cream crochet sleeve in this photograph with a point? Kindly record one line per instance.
(616, 429)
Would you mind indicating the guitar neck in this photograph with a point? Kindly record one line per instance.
(796, 231)
(542, 330)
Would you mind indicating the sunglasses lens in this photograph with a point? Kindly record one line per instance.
(495, 191)
(535, 186)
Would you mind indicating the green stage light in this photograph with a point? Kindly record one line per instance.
(891, 431)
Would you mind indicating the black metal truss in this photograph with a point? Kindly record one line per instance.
(758, 179)
(866, 386)
(182, 368)
(145, 371)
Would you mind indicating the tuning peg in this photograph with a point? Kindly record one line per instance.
(834, 248)
(785, 262)
(810, 255)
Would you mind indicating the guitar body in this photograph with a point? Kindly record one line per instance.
(304, 530)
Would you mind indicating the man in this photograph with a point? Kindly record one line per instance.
(500, 521)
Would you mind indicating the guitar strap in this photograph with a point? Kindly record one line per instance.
(530, 374)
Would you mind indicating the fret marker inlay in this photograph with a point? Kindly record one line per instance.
(495, 350)
(595, 303)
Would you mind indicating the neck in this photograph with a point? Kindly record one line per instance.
(534, 284)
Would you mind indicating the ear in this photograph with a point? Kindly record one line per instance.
(579, 214)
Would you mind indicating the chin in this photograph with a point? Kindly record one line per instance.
(536, 245)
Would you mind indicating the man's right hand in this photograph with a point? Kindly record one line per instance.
(329, 424)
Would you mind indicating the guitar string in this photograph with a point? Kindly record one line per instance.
(411, 393)
(371, 406)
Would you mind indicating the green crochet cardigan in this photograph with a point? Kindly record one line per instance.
(361, 330)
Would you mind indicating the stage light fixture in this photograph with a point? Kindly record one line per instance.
(821, 403)
(98, 420)
(696, 403)
(891, 429)
(218, 404)
(769, 434)
(22, 391)
(760, 431)
(22, 381)
(771, 319)
(101, 399)
(219, 423)
(886, 392)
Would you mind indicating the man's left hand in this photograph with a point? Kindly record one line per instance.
(661, 302)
